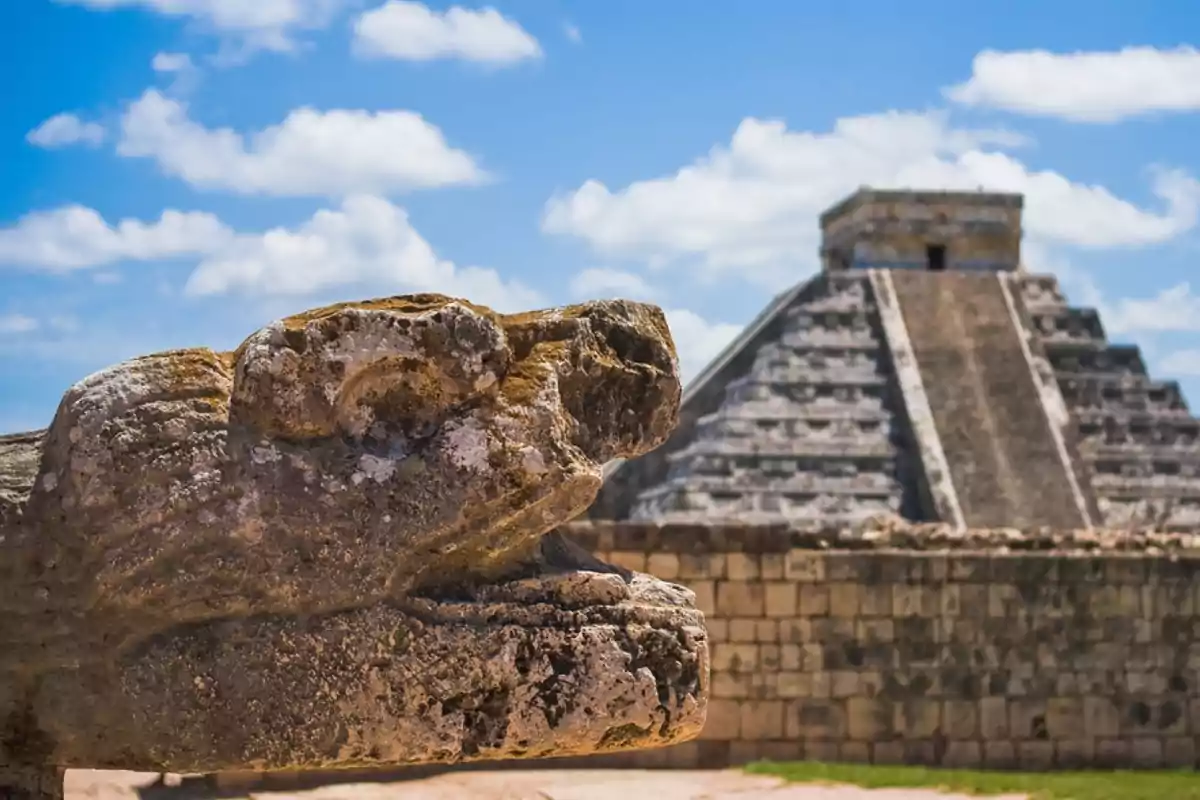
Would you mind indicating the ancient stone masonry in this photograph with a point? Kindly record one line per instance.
(893, 643)
(329, 548)
(1139, 444)
(923, 372)
(997, 437)
(812, 431)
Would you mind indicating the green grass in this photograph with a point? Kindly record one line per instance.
(1041, 786)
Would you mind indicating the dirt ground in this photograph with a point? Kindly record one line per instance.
(544, 785)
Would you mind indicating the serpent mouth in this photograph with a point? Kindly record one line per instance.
(564, 656)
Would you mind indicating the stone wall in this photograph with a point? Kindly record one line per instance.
(1086, 654)
(919, 644)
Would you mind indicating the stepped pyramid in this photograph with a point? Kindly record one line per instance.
(923, 373)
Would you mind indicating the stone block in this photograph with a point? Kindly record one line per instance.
(780, 598)
(1027, 719)
(723, 721)
(867, 719)
(773, 566)
(962, 755)
(999, 755)
(733, 685)
(806, 566)
(1179, 752)
(1146, 753)
(683, 756)
(762, 719)
(768, 655)
(735, 657)
(887, 753)
(875, 600)
(705, 596)
(663, 565)
(855, 753)
(742, 630)
(960, 719)
(742, 567)
(791, 684)
(740, 599)
(767, 631)
(816, 718)
(875, 630)
(1074, 753)
(781, 751)
(1035, 756)
(744, 752)
(1065, 718)
(797, 631)
(843, 600)
(790, 657)
(1112, 753)
(822, 750)
(917, 718)
(814, 600)
(629, 560)
(702, 565)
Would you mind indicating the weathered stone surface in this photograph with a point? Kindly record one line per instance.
(326, 548)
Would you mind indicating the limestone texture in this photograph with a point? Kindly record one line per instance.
(334, 546)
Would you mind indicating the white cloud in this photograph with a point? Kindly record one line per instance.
(1084, 86)
(1181, 364)
(171, 62)
(310, 153)
(572, 32)
(366, 241)
(601, 282)
(75, 237)
(256, 24)
(413, 32)
(17, 323)
(750, 207)
(1173, 309)
(697, 340)
(66, 129)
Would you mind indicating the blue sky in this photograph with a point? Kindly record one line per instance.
(180, 172)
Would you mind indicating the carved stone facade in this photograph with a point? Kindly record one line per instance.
(1138, 441)
(923, 373)
(813, 431)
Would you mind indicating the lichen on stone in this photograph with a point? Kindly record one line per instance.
(332, 546)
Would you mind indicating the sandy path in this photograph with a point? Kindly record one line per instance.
(541, 785)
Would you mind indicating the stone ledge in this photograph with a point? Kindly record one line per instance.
(880, 534)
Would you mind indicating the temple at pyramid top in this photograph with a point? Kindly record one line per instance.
(922, 372)
(936, 231)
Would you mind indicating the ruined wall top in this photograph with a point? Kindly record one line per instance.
(874, 228)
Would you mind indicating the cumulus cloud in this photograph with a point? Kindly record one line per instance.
(254, 24)
(310, 153)
(75, 237)
(12, 324)
(1097, 87)
(697, 340)
(171, 62)
(1174, 309)
(66, 129)
(412, 31)
(597, 283)
(750, 208)
(365, 242)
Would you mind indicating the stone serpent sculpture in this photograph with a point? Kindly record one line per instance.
(336, 546)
